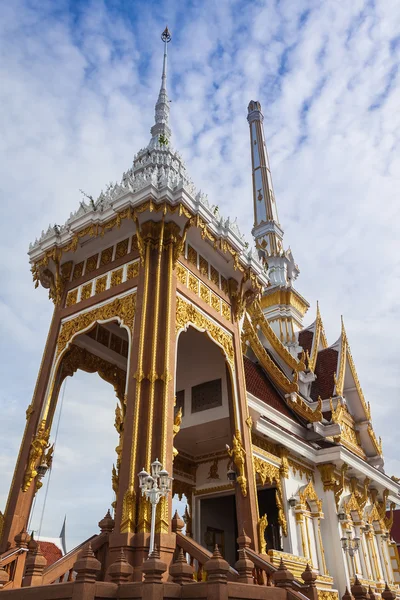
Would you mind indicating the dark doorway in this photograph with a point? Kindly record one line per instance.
(218, 525)
(267, 505)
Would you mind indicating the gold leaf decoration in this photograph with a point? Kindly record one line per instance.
(187, 314)
(123, 308)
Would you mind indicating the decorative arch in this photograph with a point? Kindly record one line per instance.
(188, 315)
(121, 309)
(351, 505)
(308, 495)
(309, 513)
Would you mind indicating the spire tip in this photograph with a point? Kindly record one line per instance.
(166, 35)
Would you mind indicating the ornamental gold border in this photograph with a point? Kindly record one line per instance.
(214, 490)
(249, 334)
(94, 230)
(319, 336)
(270, 473)
(187, 314)
(346, 356)
(258, 318)
(123, 308)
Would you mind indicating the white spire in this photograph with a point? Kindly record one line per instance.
(160, 132)
(267, 231)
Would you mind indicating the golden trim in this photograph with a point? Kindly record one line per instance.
(127, 523)
(167, 354)
(321, 548)
(269, 473)
(154, 345)
(238, 456)
(258, 318)
(250, 335)
(308, 493)
(95, 230)
(301, 408)
(122, 308)
(187, 314)
(286, 297)
(261, 526)
(345, 354)
(330, 481)
(327, 595)
(302, 469)
(318, 336)
(213, 490)
(39, 444)
(201, 289)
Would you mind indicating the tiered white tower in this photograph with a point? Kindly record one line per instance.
(283, 306)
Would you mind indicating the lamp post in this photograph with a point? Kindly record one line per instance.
(154, 487)
(350, 545)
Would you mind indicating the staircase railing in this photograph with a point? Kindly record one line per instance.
(62, 570)
(198, 556)
(264, 570)
(13, 561)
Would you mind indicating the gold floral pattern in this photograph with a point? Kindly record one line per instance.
(203, 266)
(101, 284)
(78, 271)
(91, 263)
(122, 248)
(181, 274)
(192, 255)
(106, 256)
(193, 283)
(86, 291)
(215, 302)
(116, 277)
(124, 308)
(204, 293)
(133, 270)
(214, 276)
(72, 298)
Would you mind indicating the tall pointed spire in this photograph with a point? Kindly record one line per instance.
(267, 231)
(282, 305)
(160, 131)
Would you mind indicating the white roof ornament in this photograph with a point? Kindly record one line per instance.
(267, 231)
(160, 131)
(159, 169)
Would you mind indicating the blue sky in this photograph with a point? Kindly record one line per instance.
(79, 84)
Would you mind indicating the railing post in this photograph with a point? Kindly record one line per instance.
(35, 565)
(120, 571)
(4, 578)
(22, 540)
(180, 571)
(217, 576)
(87, 567)
(153, 569)
(309, 577)
(283, 577)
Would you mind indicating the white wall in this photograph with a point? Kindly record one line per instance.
(200, 360)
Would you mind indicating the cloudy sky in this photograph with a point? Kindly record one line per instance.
(79, 80)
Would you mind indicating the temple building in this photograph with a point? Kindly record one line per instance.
(260, 420)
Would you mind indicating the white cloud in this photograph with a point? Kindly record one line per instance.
(77, 101)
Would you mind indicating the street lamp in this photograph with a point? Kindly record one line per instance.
(154, 487)
(350, 544)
